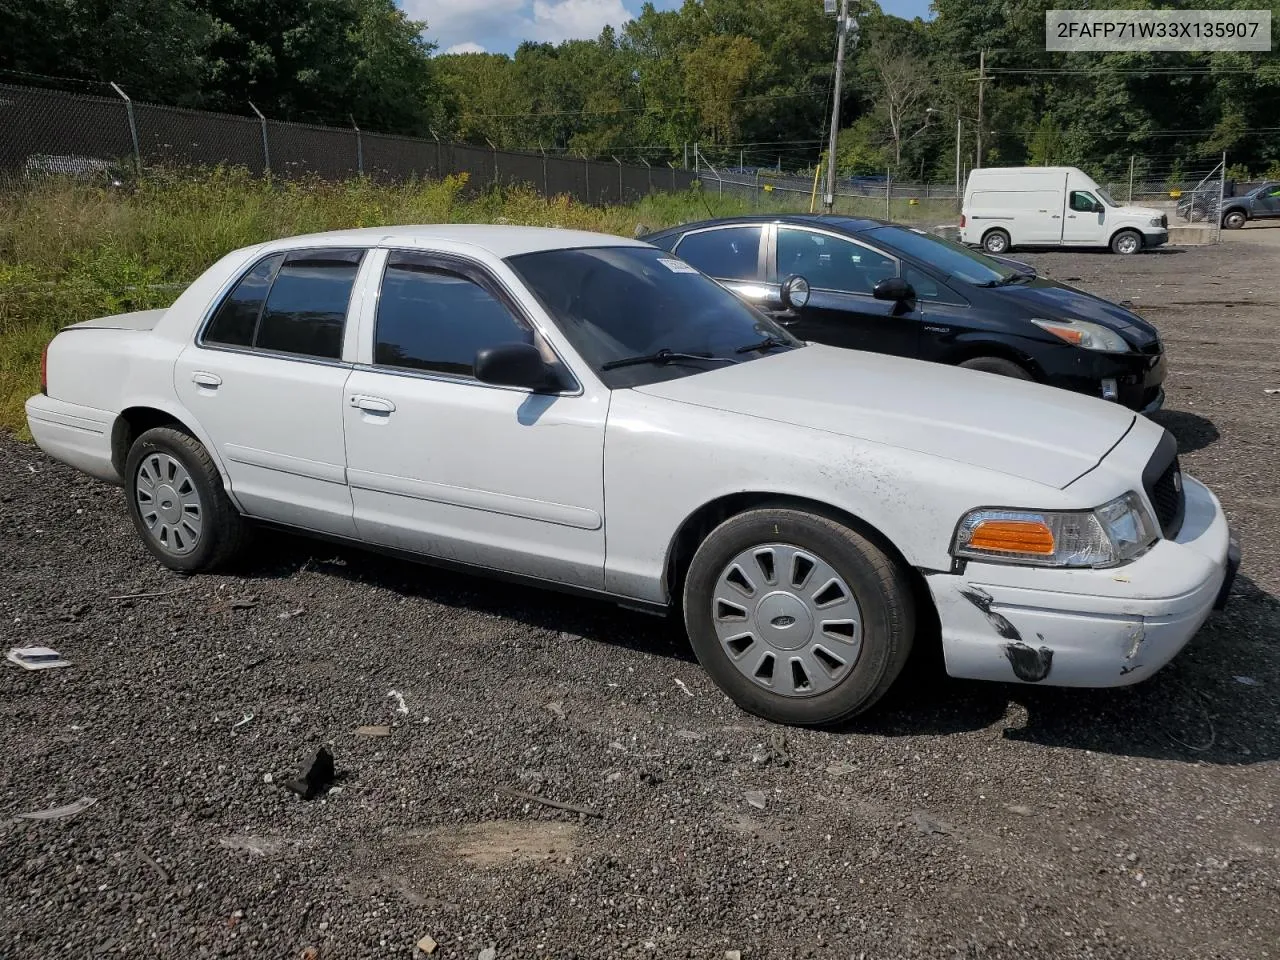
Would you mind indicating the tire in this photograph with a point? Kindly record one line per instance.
(999, 365)
(1127, 242)
(167, 473)
(1234, 219)
(848, 666)
(997, 242)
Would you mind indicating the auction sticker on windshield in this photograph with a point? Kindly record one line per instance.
(676, 266)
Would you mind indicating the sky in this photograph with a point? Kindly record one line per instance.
(499, 26)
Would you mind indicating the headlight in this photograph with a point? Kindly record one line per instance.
(1113, 533)
(1082, 333)
(1157, 221)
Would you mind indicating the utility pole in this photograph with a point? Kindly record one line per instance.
(1130, 178)
(982, 81)
(843, 26)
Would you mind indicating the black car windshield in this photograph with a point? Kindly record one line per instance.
(955, 259)
(644, 306)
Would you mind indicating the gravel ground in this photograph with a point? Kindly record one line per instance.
(960, 820)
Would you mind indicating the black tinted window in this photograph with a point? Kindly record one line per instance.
(1083, 202)
(830, 263)
(237, 317)
(430, 318)
(307, 306)
(729, 254)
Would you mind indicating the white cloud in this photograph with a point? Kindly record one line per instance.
(467, 47)
(502, 24)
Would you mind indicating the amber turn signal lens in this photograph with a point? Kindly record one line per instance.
(1012, 536)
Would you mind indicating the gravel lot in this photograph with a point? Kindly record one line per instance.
(960, 820)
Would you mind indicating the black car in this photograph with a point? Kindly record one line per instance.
(886, 288)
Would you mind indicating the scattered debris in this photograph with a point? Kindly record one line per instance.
(376, 730)
(268, 778)
(289, 614)
(315, 778)
(427, 945)
(311, 953)
(733, 955)
(1019, 809)
(841, 769)
(1271, 392)
(152, 596)
(532, 798)
(1247, 681)
(651, 778)
(614, 777)
(258, 846)
(774, 753)
(755, 798)
(488, 953)
(928, 825)
(54, 813)
(244, 719)
(245, 604)
(401, 706)
(556, 707)
(683, 686)
(164, 876)
(37, 658)
(689, 735)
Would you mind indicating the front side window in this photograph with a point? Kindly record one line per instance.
(953, 259)
(728, 253)
(1082, 202)
(290, 303)
(432, 318)
(631, 303)
(831, 263)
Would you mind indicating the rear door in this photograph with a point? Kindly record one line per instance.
(841, 310)
(265, 378)
(732, 254)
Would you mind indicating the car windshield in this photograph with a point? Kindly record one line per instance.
(954, 259)
(640, 315)
(1106, 197)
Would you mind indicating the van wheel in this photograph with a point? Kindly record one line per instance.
(995, 241)
(796, 617)
(1126, 242)
(1234, 220)
(998, 365)
(177, 503)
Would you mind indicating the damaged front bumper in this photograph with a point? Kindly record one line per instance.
(1088, 628)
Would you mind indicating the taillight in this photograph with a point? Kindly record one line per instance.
(962, 220)
(44, 371)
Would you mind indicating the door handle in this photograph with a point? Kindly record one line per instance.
(203, 379)
(1071, 216)
(372, 404)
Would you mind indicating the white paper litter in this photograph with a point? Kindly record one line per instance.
(37, 658)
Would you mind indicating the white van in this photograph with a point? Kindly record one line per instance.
(1008, 207)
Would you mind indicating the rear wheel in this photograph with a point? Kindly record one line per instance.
(177, 502)
(995, 241)
(1126, 242)
(999, 365)
(1234, 220)
(798, 618)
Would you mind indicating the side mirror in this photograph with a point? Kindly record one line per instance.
(795, 292)
(893, 288)
(515, 365)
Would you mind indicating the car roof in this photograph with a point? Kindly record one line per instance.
(834, 221)
(501, 240)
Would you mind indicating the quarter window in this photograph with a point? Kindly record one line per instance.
(730, 253)
(237, 318)
(830, 263)
(432, 318)
(306, 309)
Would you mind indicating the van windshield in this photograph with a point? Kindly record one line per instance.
(1106, 197)
(956, 260)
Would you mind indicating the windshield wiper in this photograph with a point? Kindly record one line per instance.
(662, 357)
(764, 344)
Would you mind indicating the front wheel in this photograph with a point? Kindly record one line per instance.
(997, 365)
(1234, 220)
(798, 618)
(177, 502)
(1126, 242)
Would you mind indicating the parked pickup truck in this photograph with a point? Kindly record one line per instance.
(593, 414)
(1260, 203)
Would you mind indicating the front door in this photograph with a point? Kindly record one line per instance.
(265, 379)
(841, 310)
(444, 465)
(1084, 220)
(1268, 202)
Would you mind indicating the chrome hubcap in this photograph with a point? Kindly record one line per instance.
(1127, 244)
(995, 244)
(787, 621)
(168, 503)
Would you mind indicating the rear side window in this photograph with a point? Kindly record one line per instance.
(237, 319)
(730, 253)
(432, 318)
(306, 309)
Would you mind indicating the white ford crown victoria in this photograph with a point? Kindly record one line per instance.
(590, 413)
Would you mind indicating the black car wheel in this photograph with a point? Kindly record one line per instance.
(997, 365)
(1234, 220)
(995, 241)
(798, 618)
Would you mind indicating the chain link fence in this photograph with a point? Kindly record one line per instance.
(45, 132)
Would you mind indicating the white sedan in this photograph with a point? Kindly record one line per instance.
(590, 413)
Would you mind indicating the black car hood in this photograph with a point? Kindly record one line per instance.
(1056, 301)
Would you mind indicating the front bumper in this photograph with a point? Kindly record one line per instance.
(1154, 237)
(1089, 628)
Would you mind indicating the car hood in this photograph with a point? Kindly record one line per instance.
(1016, 427)
(1052, 300)
(1145, 213)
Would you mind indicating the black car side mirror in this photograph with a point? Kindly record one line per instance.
(893, 288)
(795, 292)
(516, 365)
